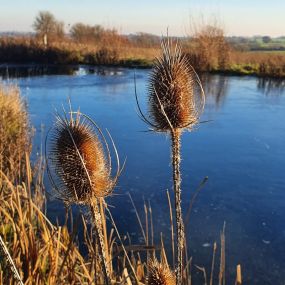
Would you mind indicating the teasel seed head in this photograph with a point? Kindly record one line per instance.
(77, 163)
(176, 97)
(159, 274)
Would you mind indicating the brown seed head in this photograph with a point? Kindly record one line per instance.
(159, 274)
(79, 162)
(173, 100)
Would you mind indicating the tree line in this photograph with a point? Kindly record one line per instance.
(48, 29)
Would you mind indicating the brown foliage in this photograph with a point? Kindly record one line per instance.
(209, 49)
(97, 35)
(47, 28)
(266, 64)
(15, 132)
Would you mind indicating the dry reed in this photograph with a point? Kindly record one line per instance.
(42, 253)
(239, 276)
(15, 132)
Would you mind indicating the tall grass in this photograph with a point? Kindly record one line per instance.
(15, 133)
(208, 49)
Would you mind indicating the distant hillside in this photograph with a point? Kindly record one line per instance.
(258, 43)
(15, 34)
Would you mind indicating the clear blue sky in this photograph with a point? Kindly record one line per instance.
(239, 17)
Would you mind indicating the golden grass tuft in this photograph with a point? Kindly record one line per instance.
(15, 132)
(43, 253)
(159, 274)
(173, 102)
(79, 160)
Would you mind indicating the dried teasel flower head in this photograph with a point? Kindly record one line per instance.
(77, 162)
(159, 274)
(176, 96)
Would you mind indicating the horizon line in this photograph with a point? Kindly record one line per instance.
(152, 34)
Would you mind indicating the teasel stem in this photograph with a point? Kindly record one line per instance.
(174, 105)
(175, 137)
(81, 174)
(96, 215)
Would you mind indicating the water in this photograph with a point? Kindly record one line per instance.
(241, 150)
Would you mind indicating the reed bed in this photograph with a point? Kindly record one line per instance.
(208, 50)
(113, 52)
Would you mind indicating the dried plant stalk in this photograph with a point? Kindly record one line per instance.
(172, 228)
(83, 174)
(238, 277)
(213, 263)
(175, 136)
(10, 261)
(97, 218)
(222, 277)
(174, 105)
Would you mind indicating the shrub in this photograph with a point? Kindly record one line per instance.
(15, 132)
(209, 51)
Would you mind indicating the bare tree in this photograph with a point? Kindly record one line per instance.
(47, 27)
(86, 33)
(208, 48)
(59, 29)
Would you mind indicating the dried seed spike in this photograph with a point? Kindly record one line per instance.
(78, 160)
(173, 100)
(159, 274)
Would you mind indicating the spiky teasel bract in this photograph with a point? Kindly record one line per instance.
(79, 168)
(159, 274)
(176, 98)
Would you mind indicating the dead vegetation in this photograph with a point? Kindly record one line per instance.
(207, 48)
(15, 133)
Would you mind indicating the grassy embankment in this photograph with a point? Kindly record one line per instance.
(259, 63)
(210, 53)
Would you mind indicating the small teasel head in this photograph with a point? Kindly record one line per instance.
(159, 274)
(79, 163)
(176, 97)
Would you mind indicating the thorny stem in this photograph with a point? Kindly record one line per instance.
(97, 219)
(175, 136)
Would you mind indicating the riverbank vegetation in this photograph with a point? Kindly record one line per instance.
(208, 48)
